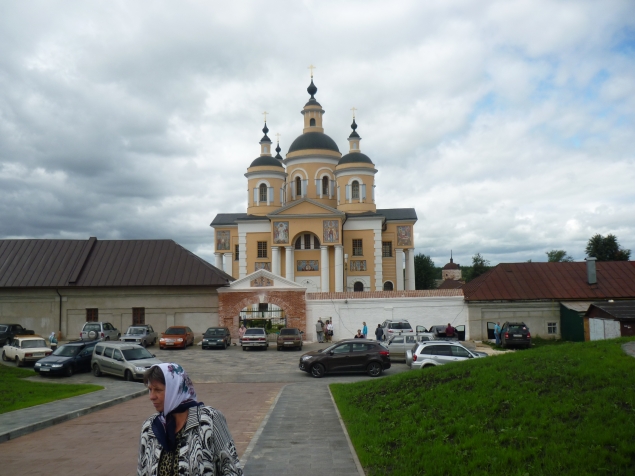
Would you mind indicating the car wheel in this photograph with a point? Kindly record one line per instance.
(69, 371)
(224, 345)
(244, 348)
(96, 371)
(374, 369)
(17, 361)
(279, 349)
(317, 370)
(107, 338)
(128, 376)
(4, 357)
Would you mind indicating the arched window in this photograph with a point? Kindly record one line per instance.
(355, 190)
(263, 192)
(312, 122)
(307, 241)
(325, 186)
(388, 286)
(298, 187)
(358, 286)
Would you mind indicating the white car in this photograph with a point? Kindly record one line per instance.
(434, 352)
(23, 349)
(255, 337)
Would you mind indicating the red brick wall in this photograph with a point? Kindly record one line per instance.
(292, 302)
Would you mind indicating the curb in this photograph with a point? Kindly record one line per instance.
(360, 470)
(25, 430)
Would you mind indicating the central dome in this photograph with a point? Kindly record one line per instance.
(313, 140)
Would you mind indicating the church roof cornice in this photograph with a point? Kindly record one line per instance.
(328, 211)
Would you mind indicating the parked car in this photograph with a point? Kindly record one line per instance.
(68, 359)
(433, 353)
(352, 355)
(99, 331)
(439, 333)
(397, 327)
(515, 334)
(143, 335)
(217, 337)
(176, 336)
(123, 360)
(399, 344)
(23, 349)
(255, 337)
(289, 337)
(9, 331)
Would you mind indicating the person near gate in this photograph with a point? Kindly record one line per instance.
(319, 330)
(379, 332)
(365, 330)
(497, 333)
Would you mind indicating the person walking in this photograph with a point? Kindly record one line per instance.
(365, 330)
(497, 333)
(184, 436)
(319, 330)
(329, 331)
(241, 332)
(379, 332)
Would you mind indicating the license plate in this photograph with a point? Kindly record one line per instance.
(39, 354)
(44, 369)
(288, 343)
(169, 343)
(518, 335)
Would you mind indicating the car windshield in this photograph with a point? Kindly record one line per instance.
(3, 328)
(288, 332)
(175, 331)
(135, 331)
(67, 351)
(517, 328)
(136, 354)
(258, 332)
(92, 327)
(214, 332)
(32, 344)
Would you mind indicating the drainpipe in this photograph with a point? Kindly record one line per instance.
(60, 331)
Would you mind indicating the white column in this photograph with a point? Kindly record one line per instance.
(410, 269)
(339, 268)
(379, 264)
(275, 260)
(227, 263)
(399, 266)
(219, 260)
(242, 253)
(324, 264)
(289, 262)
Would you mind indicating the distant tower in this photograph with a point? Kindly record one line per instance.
(451, 270)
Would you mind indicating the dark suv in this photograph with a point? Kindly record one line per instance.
(67, 359)
(515, 334)
(217, 337)
(353, 355)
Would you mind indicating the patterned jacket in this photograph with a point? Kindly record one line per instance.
(206, 449)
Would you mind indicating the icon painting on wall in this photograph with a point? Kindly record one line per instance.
(261, 282)
(331, 231)
(280, 232)
(308, 265)
(222, 241)
(265, 266)
(404, 236)
(358, 265)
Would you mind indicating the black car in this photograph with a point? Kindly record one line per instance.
(353, 355)
(216, 337)
(67, 359)
(515, 334)
(9, 331)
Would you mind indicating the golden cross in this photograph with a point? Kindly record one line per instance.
(311, 67)
(265, 113)
(353, 109)
(278, 136)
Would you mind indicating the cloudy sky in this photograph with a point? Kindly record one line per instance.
(508, 125)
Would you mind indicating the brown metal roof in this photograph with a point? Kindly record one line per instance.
(619, 310)
(553, 281)
(107, 263)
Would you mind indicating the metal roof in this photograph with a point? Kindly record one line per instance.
(107, 263)
(620, 310)
(553, 281)
(398, 213)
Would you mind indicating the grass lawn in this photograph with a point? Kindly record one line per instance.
(565, 409)
(17, 393)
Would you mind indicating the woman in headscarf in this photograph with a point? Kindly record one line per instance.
(184, 437)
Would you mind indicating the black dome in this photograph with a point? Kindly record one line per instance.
(313, 140)
(266, 161)
(355, 158)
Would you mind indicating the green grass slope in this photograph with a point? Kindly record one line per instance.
(555, 410)
(17, 393)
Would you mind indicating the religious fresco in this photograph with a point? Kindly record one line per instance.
(223, 241)
(358, 265)
(280, 232)
(266, 266)
(308, 265)
(261, 282)
(331, 231)
(404, 236)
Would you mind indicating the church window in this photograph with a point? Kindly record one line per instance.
(236, 252)
(138, 316)
(263, 192)
(388, 286)
(312, 122)
(386, 249)
(355, 190)
(358, 286)
(357, 248)
(325, 186)
(298, 243)
(298, 187)
(307, 242)
(262, 249)
(316, 242)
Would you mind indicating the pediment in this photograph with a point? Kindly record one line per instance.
(304, 207)
(261, 279)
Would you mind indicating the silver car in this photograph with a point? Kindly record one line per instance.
(398, 345)
(123, 360)
(433, 353)
(255, 337)
(143, 335)
(99, 331)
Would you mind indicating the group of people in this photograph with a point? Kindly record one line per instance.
(324, 330)
(362, 333)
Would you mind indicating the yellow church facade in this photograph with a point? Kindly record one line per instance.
(312, 218)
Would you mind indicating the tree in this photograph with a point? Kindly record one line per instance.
(558, 256)
(606, 248)
(479, 266)
(425, 272)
